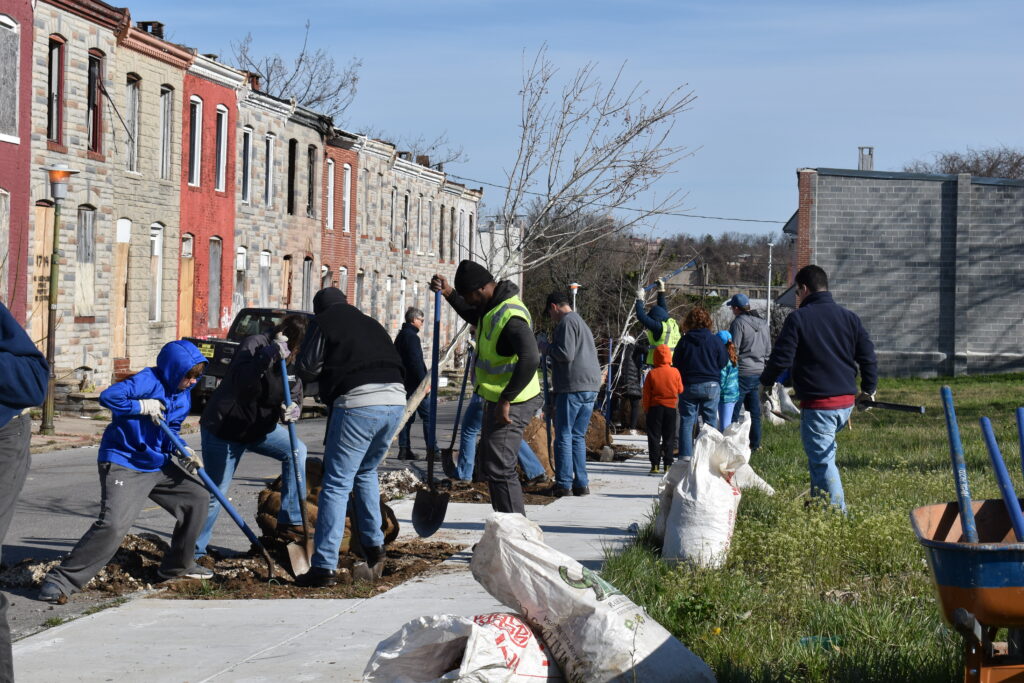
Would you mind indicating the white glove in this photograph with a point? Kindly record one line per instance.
(640, 293)
(194, 462)
(282, 345)
(152, 407)
(661, 285)
(861, 397)
(290, 412)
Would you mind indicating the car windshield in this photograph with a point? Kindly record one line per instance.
(256, 322)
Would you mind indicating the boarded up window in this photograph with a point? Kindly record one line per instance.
(94, 99)
(307, 284)
(55, 90)
(5, 236)
(85, 262)
(214, 274)
(156, 270)
(9, 52)
(264, 278)
(166, 128)
(131, 122)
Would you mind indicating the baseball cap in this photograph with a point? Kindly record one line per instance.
(738, 300)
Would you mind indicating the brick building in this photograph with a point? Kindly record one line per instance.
(15, 152)
(209, 104)
(72, 123)
(339, 214)
(412, 222)
(933, 264)
(146, 77)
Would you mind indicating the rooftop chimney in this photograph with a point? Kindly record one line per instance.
(423, 160)
(154, 28)
(405, 155)
(254, 81)
(866, 159)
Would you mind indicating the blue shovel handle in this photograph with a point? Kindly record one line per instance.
(1003, 479)
(956, 454)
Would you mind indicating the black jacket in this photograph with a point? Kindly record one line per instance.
(407, 343)
(824, 344)
(630, 380)
(346, 349)
(246, 406)
(700, 357)
(516, 338)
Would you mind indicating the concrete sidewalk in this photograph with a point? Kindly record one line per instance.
(275, 640)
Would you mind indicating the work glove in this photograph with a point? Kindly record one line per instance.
(864, 396)
(282, 345)
(192, 462)
(661, 285)
(640, 293)
(153, 408)
(290, 412)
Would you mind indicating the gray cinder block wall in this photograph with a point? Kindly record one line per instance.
(933, 264)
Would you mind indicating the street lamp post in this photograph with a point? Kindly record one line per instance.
(574, 287)
(769, 297)
(58, 176)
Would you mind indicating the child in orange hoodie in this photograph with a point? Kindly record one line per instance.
(661, 401)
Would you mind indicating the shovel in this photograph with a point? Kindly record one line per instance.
(221, 498)
(429, 508)
(298, 555)
(547, 414)
(447, 462)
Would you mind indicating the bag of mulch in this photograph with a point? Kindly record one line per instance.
(783, 402)
(594, 632)
(698, 513)
(488, 647)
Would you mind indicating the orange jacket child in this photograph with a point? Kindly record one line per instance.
(663, 384)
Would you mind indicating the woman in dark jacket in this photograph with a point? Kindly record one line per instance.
(631, 383)
(245, 413)
(699, 357)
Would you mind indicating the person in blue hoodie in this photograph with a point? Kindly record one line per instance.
(661, 327)
(23, 380)
(135, 463)
(699, 357)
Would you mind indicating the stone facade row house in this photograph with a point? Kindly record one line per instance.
(197, 194)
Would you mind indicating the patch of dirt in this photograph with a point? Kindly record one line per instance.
(238, 577)
(476, 492)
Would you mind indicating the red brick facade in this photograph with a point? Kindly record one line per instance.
(338, 244)
(805, 221)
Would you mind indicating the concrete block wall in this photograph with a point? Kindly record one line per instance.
(918, 258)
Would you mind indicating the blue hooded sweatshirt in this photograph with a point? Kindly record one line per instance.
(132, 440)
(24, 373)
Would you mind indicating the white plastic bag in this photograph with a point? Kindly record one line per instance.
(497, 647)
(594, 632)
(782, 400)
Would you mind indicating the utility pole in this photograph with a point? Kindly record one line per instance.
(769, 297)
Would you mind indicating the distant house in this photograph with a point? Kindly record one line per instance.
(933, 264)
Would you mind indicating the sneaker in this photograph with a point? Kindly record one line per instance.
(559, 492)
(196, 571)
(317, 577)
(654, 470)
(581, 490)
(51, 592)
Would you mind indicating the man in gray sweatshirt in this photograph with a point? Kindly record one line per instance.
(576, 377)
(751, 336)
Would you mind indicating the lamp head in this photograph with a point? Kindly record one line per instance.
(59, 175)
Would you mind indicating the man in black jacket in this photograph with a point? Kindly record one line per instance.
(824, 344)
(360, 376)
(506, 373)
(407, 342)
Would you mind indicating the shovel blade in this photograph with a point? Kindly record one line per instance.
(428, 511)
(299, 556)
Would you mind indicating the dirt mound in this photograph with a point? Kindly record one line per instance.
(535, 435)
(597, 433)
(476, 492)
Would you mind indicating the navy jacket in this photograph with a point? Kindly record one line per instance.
(24, 373)
(407, 343)
(132, 440)
(652, 324)
(700, 357)
(824, 344)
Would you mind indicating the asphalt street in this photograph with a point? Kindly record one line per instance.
(60, 500)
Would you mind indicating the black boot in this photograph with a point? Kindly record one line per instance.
(406, 454)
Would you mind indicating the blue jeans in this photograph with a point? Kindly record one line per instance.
(725, 414)
(221, 458)
(699, 398)
(572, 418)
(405, 436)
(468, 439)
(357, 440)
(750, 399)
(818, 432)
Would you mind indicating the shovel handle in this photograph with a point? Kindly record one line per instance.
(293, 441)
(1003, 479)
(956, 454)
(435, 355)
(902, 407)
(462, 395)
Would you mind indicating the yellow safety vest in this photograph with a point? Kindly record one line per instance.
(669, 335)
(493, 371)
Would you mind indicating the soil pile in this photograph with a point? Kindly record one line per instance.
(476, 492)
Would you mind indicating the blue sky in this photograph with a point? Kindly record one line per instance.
(779, 85)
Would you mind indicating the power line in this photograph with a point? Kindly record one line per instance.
(629, 208)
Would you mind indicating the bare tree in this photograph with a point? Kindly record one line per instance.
(586, 148)
(312, 78)
(991, 162)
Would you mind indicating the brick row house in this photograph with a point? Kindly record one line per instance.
(196, 195)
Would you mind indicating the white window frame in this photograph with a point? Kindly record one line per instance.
(325, 276)
(269, 145)
(9, 24)
(307, 284)
(330, 194)
(247, 137)
(132, 114)
(221, 145)
(213, 313)
(156, 264)
(195, 149)
(265, 261)
(166, 130)
(346, 197)
(343, 279)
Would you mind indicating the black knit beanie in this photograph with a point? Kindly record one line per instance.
(327, 297)
(471, 276)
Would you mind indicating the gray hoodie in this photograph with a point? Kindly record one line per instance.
(753, 343)
(572, 349)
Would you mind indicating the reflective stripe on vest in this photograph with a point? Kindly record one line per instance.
(494, 371)
(669, 335)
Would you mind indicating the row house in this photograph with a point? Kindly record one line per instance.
(412, 223)
(15, 152)
(340, 213)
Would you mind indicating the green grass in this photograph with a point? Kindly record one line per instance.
(859, 581)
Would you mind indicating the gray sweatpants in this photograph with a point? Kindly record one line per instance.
(14, 464)
(123, 492)
(498, 454)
